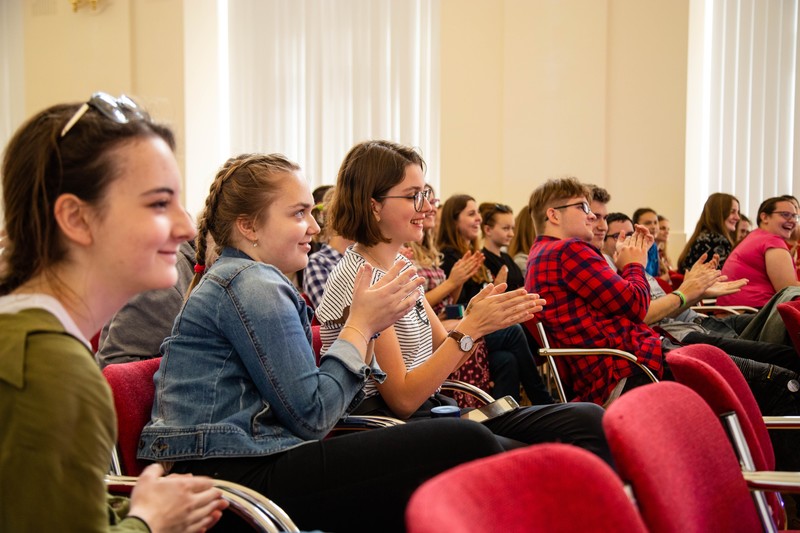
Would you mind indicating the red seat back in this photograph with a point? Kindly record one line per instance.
(670, 446)
(133, 391)
(790, 313)
(549, 487)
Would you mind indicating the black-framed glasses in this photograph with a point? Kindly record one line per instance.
(788, 215)
(120, 110)
(419, 198)
(616, 235)
(582, 205)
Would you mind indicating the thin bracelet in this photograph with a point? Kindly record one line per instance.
(366, 341)
(680, 295)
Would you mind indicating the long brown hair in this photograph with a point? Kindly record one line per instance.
(245, 186)
(524, 233)
(715, 211)
(448, 235)
(40, 165)
(426, 254)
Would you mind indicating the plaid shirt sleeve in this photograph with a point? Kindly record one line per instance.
(316, 273)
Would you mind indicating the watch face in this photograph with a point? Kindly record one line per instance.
(466, 343)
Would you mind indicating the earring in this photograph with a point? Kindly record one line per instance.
(255, 243)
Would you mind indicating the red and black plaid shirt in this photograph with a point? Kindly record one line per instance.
(591, 306)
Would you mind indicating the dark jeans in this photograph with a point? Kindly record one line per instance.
(356, 482)
(765, 352)
(511, 363)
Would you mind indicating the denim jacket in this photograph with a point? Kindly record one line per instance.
(238, 375)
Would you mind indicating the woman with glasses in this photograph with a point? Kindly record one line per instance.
(715, 233)
(83, 186)
(510, 357)
(239, 395)
(379, 189)
(497, 226)
(763, 256)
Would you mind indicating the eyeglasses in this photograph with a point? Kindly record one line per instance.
(121, 110)
(435, 202)
(582, 205)
(419, 198)
(616, 235)
(787, 215)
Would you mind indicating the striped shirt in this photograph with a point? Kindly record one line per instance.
(413, 329)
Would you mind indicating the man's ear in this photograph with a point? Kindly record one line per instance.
(73, 217)
(247, 228)
(552, 216)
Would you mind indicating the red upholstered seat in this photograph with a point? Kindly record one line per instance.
(549, 487)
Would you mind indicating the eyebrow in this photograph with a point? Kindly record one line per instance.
(304, 205)
(159, 190)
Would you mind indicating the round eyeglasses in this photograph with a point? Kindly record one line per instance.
(583, 206)
(419, 198)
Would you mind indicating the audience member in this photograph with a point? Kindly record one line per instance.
(321, 262)
(137, 330)
(497, 225)
(743, 228)
(510, 358)
(380, 203)
(649, 220)
(598, 200)
(239, 395)
(590, 304)
(521, 242)
(82, 185)
(763, 256)
(715, 231)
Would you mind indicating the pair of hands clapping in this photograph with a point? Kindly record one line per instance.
(493, 309)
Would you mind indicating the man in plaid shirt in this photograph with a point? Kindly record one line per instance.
(588, 303)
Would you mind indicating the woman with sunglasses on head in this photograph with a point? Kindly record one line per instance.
(239, 394)
(497, 225)
(381, 203)
(715, 233)
(763, 256)
(510, 358)
(82, 186)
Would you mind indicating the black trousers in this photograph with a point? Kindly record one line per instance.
(355, 482)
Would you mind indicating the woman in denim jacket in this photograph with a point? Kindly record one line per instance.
(239, 395)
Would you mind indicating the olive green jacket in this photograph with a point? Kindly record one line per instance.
(57, 430)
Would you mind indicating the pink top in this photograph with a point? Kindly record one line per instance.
(748, 261)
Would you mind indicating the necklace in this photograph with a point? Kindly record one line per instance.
(363, 251)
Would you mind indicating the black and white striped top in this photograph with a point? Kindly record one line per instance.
(413, 330)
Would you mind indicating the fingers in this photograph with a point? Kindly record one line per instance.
(152, 471)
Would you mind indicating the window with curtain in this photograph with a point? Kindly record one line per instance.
(309, 78)
(742, 100)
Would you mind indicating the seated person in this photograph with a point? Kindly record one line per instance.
(714, 233)
(137, 330)
(676, 318)
(497, 226)
(321, 262)
(380, 204)
(521, 242)
(648, 218)
(590, 304)
(239, 395)
(763, 256)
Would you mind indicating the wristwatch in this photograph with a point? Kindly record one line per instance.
(465, 342)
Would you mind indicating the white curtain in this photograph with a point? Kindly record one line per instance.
(742, 102)
(11, 69)
(309, 78)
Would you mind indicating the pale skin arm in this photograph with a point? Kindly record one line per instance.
(490, 310)
(176, 503)
(462, 270)
(780, 268)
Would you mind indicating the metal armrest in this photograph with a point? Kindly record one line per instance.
(782, 422)
(732, 309)
(467, 388)
(254, 508)
(359, 422)
(562, 352)
(773, 481)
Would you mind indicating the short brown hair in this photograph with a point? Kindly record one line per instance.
(368, 171)
(549, 194)
(598, 194)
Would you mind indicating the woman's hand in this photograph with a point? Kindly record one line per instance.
(502, 275)
(702, 276)
(379, 306)
(466, 267)
(176, 503)
(493, 309)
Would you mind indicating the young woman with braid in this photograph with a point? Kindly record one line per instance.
(239, 395)
(380, 204)
(510, 358)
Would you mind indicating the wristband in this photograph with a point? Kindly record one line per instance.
(680, 295)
